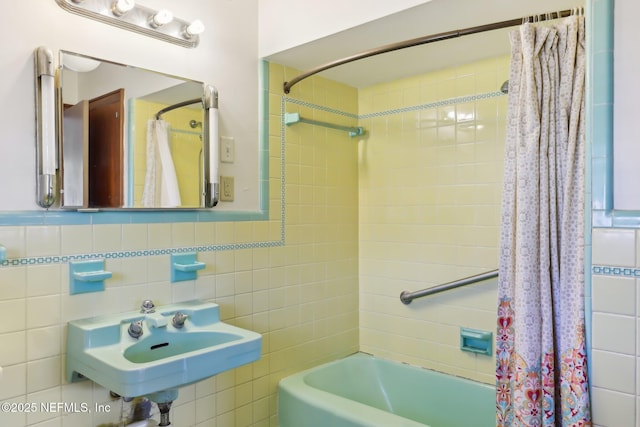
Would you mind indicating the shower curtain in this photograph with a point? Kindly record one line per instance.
(160, 182)
(541, 371)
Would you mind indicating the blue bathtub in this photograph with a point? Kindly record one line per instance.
(362, 390)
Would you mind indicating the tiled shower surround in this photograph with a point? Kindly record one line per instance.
(430, 194)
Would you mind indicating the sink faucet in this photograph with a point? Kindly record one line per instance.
(155, 320)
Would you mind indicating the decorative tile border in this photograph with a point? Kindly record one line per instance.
(58, 259)
(442, 103)
(436, 104)
(605, 270)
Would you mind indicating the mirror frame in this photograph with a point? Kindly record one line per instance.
(51, 143)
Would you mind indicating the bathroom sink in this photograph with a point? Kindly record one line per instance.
(164, 356)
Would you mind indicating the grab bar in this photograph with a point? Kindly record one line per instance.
(406, 297)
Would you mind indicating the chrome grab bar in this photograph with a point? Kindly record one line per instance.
(406, 297)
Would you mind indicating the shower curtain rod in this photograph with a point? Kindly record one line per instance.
(424, 40)
(178, 105)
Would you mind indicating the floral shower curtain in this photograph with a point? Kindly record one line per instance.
(541, 372)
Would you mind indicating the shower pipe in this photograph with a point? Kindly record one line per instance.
(178, 105)
(424, 40)
(406, 297)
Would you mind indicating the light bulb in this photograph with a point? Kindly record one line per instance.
(48, 125)
(160, 18)
(193, 29)
(120, 7)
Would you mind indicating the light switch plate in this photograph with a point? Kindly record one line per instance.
(227, 149)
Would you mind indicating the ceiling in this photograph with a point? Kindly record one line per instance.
(437, 16)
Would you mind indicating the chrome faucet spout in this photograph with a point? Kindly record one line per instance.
(156, 320)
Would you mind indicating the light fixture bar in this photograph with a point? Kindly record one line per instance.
(139, 19)
(46, 142)
(211, 146)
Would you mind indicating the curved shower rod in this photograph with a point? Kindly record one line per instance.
(177, 105)
(424, 40)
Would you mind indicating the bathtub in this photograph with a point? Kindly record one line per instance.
(362, 390)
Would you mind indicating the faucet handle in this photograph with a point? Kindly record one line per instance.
(147, 307)
(178, 320)
(135, 329)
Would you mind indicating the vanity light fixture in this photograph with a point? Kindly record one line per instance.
(46, 141)
(129, 15)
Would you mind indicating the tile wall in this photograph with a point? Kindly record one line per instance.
(430, 192)
(615, 350)
(300, 289)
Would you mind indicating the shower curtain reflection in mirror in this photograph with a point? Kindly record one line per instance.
(161, 182)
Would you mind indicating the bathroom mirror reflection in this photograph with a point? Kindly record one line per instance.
(130, 138)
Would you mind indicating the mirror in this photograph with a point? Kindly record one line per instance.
(133, 138)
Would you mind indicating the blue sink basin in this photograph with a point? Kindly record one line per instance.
(164, 357)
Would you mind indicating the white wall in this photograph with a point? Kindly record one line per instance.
(288, 23)
(226, 58)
